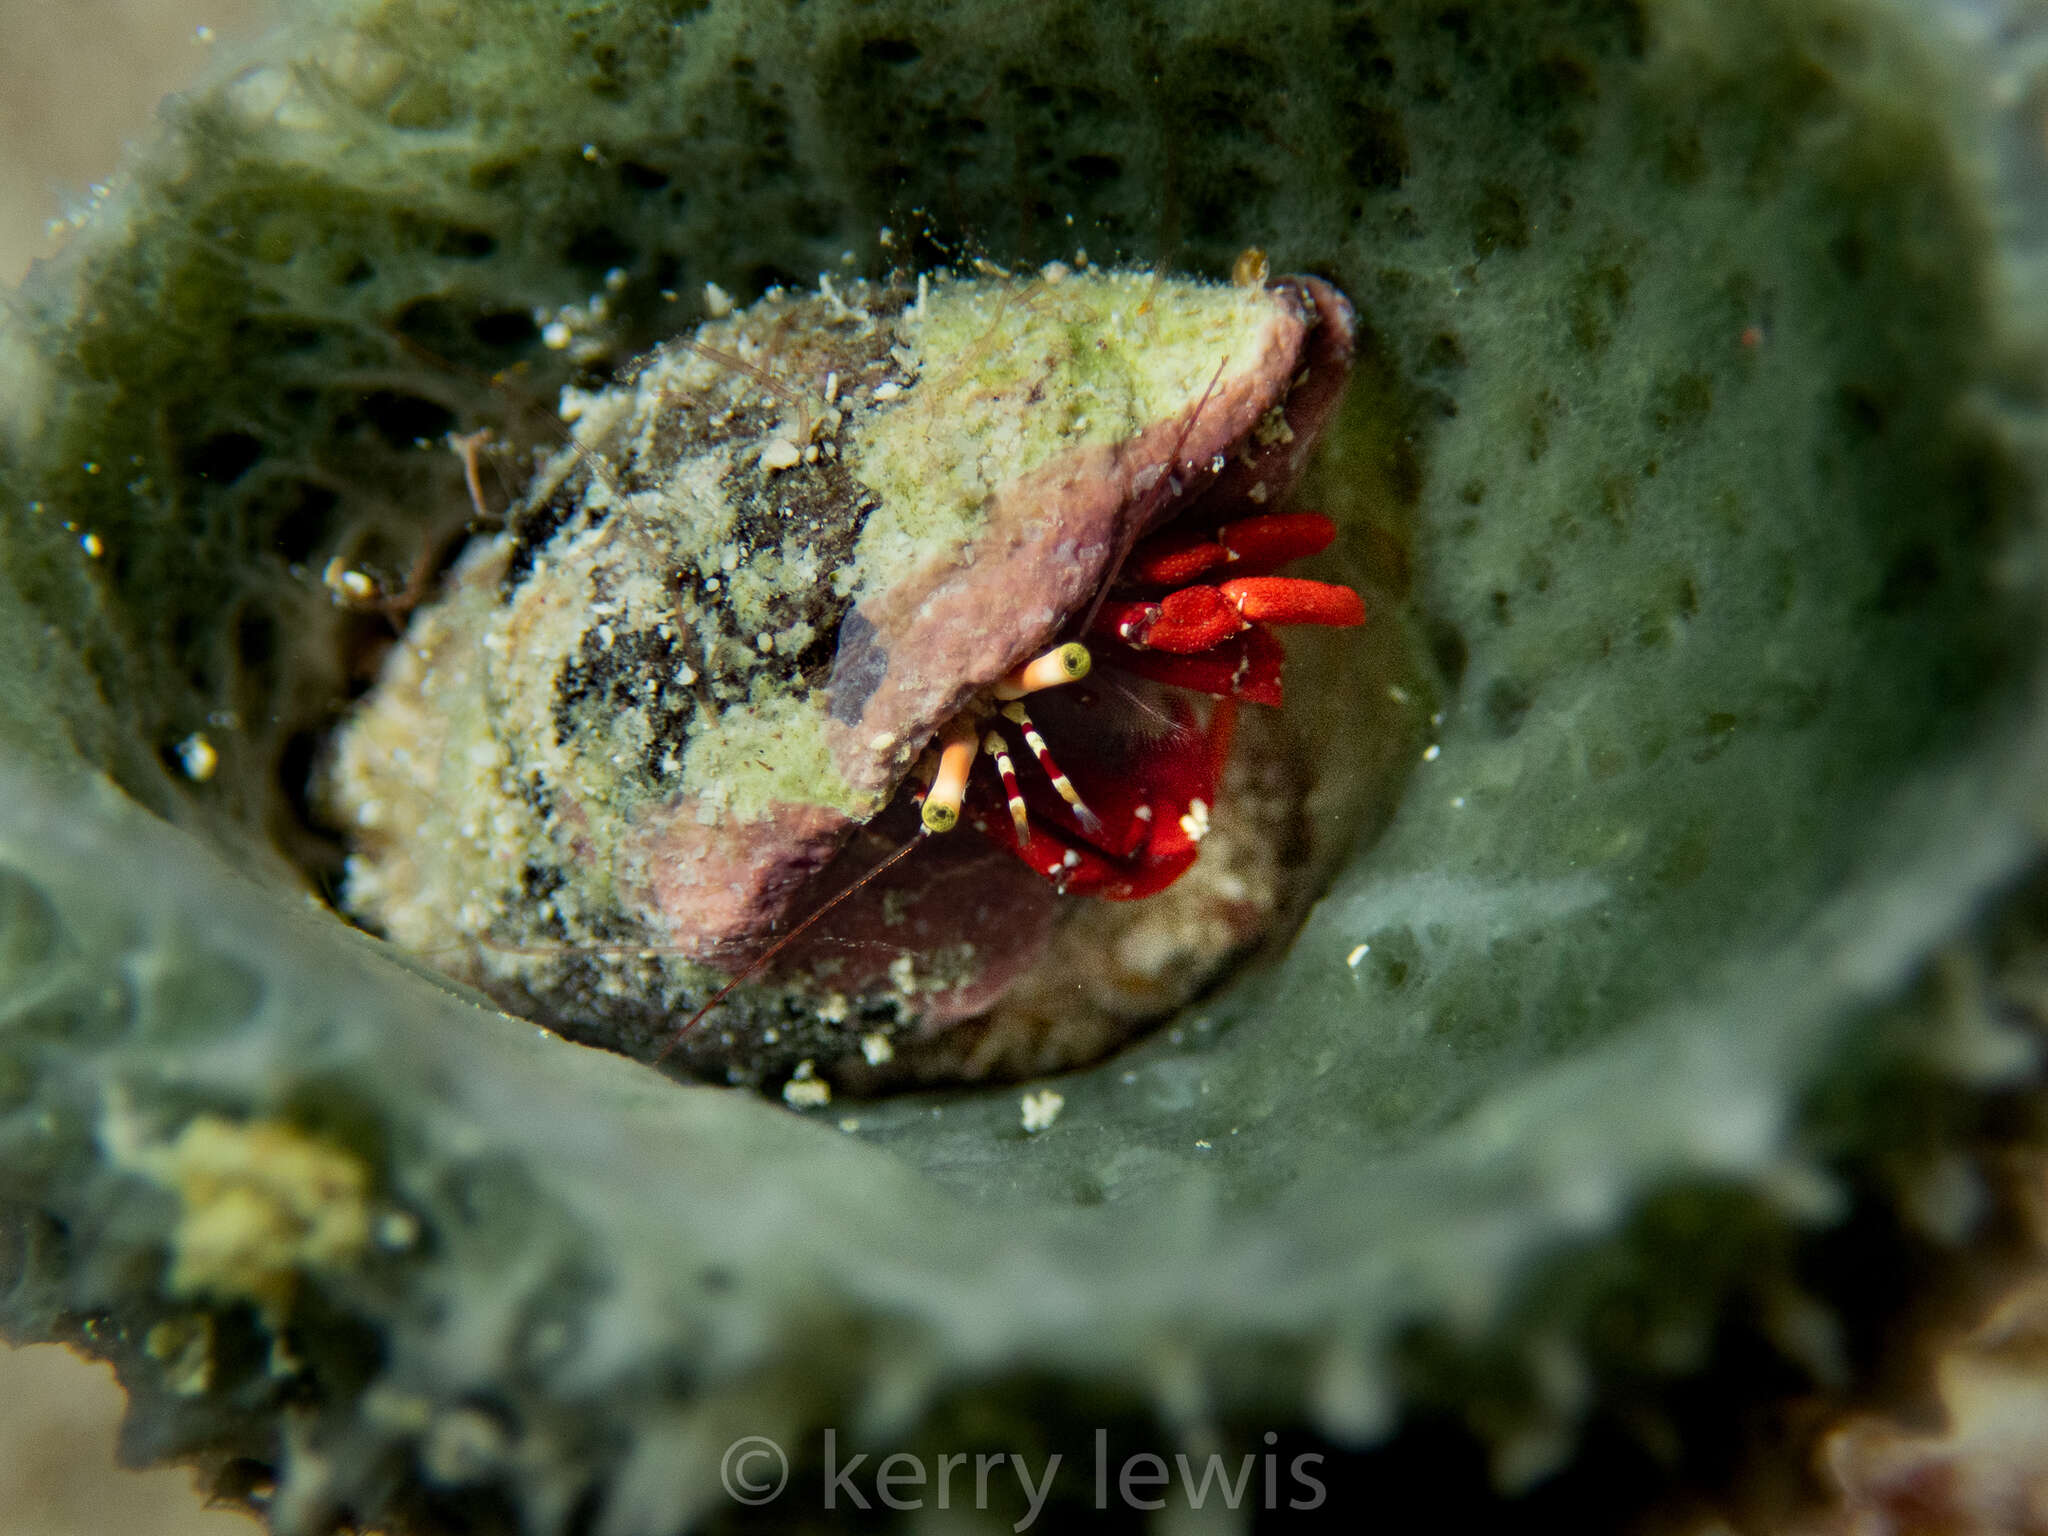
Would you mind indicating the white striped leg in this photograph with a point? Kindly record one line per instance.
(994, 745)
(1015, 713)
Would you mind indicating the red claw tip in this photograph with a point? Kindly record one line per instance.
(1294, 600)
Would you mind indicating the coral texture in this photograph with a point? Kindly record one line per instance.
(1695, 426)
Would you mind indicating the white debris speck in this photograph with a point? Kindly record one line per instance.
(1202, 1145)
(833, 1010)
(616, 279)
(1196, 822)
(805, 1089)
(592, 154)
(92, 546)
(202, 34)
(877, 1049)
(849, 1125)
(1358, 953)
(1457, 802)
(555, 335)
(781, 453)
(397, 1230)
(1397, 693)
(765, 643)
(1041, 1109)
(1432, 752)
(903, 972)
(717, 302)
(832, 386)
(888, 389)
(197, 757)
(881, 742)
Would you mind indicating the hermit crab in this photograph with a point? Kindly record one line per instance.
(838, 575)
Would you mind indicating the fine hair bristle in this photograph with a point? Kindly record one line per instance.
(1125, 713)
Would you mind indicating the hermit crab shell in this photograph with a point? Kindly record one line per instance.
(623, 752)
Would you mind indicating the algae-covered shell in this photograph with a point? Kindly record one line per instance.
(631, 743)
(1697, 421)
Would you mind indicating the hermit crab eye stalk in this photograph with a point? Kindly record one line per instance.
(1063, 664)
(949, 784)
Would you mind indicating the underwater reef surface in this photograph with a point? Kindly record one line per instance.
(1696, 431)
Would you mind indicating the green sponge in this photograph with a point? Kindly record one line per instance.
(1696, 424)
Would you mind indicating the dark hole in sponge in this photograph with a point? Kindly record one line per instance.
(224, 457)
(243, 1480)
(765, 275)
(465, 244)
(433, 323)
(1507, 703)
(504, 329)
(891, 50)
(1449, 649)
(300, 514)
(403, 420)
(642, 178)
(255, 639)
(1912, 575)
(295, 762)
(597, 248)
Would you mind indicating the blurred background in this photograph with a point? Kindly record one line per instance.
(78, 79)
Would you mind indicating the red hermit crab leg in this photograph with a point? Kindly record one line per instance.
(1252, 546)
(1201, 618)
(1246, 666)
(1294, 600)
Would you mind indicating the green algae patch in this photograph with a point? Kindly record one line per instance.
(1695, 442)
(1016, 374)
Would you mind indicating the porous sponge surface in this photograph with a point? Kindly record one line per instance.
(1687, 426)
